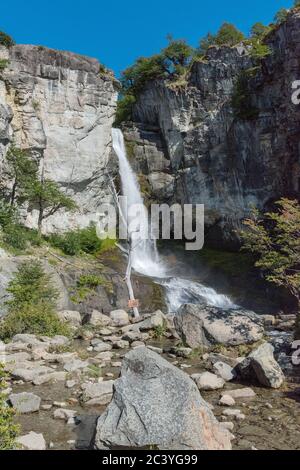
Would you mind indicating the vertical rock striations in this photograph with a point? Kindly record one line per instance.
(192, 147)
(61, 107)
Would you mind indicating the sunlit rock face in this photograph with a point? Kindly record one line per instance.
(60, 107)
(191, 147)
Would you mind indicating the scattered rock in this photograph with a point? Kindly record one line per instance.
(119, 317)
(120, 344)
(240, 393)
(227, 400)
(224, 371)
(237, 414)
(70, 383)
(99, 319)
(75, 364)
(269, 320)
(137, 344)
(200, 325)
(64, 414)
(182, 352)
(46, 407)
(228, 425)
(266, 369)
(208, 381)
(51, 377)
(153, 321)
(72, 317)
(32, 441)
(100, 346)
(155, 349)
(25, 402)
(155, 403)
(97, 393)
(105, 356)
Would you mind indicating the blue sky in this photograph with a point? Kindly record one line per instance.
(117, 32)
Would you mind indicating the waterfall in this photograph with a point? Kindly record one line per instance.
(145, 257)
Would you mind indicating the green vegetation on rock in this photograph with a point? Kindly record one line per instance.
(6, 40)
(274, 238)
(242, 100)
(79, 241)
(32, 302)
(8, 430)
(228, 35)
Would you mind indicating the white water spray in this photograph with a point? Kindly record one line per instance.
(145, 257)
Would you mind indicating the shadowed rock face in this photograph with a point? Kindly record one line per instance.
(59, 106)
(199, 325)
(193, 149)
(156, 404)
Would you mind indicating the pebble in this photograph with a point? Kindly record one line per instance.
(70, 383)
(227, 400)
(59, 404)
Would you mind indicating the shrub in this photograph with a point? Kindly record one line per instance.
(32, 303)
(6, 40)
(274, 238)
(241, 100)
(3, 64)
(8, 430)
(281, 16)
(124, 109)
(30, 285)
(227, 35)
(259, 50)
(79, 241)
(38, 319)
(7, 214)
(17, 237)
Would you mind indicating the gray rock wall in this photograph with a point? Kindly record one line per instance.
(192, 148)
(60, 107)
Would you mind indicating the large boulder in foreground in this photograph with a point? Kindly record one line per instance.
(156, 404)
(200, 325)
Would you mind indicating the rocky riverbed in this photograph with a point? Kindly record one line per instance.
(60, 387)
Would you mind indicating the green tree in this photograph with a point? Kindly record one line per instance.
(21, 170)
(6, 40)
(32, 302)
(227, 35)
(177, 56)
(259, 31)
(31, 285)
(275, 239)
(281, 16)
(48, 198)
(8, 430)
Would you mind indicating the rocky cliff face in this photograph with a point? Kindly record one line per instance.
(60, 107)
(190, 146)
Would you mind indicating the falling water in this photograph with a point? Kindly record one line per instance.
(145, 257)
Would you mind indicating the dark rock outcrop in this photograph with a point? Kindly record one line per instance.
(199, 325)
(191, 146)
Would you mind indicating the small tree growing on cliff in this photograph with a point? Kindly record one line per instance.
(48, 198)
(275, 239)
(21, 170)
(6, 40)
